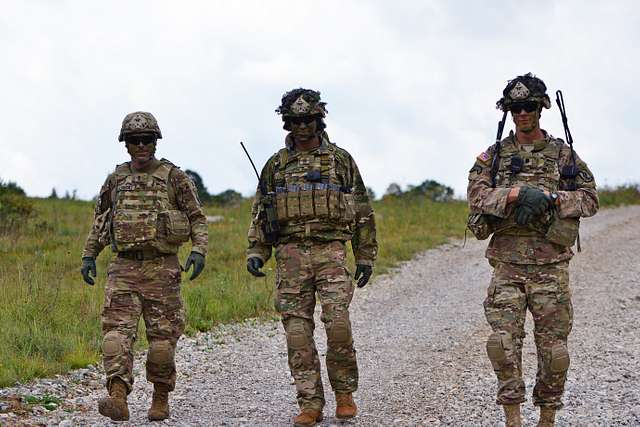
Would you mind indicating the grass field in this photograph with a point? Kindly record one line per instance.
(51, 320)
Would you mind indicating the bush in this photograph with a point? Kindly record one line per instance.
(430, 189)
(15, 211)
(228, 197)
(10, 188)
(622, 195)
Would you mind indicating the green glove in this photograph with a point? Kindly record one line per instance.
(197, 260)
(88, 267)
(532, 203)
(254, 264)
(363, 274)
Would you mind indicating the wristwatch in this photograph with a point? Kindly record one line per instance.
(554, 198)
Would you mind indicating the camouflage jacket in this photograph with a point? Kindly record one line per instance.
(540, 169)
(182, 196)
(330, 204)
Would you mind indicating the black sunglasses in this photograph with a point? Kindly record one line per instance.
(140, 139)
(529, 107)
(299, 120)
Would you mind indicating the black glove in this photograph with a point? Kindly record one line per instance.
(88, 267)
(532, 203)
(254, 264)
(364, 273)
(197, 260)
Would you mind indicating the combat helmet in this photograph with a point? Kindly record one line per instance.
(524, 88)
(139, 122)
(302, 103)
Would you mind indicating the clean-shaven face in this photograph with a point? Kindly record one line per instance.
(526, 115)
(141, 147)
(303, 128)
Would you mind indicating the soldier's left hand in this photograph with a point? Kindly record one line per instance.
(363, 274)
(88, 269)
(197, 260)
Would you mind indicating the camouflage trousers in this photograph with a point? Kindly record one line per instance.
(304, 269)
(544, 290)
(151, 289)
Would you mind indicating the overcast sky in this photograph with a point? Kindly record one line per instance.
(410, 86)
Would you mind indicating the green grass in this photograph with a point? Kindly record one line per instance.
(619, 196)
(51, 320)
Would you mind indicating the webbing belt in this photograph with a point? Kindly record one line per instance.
(312, 186)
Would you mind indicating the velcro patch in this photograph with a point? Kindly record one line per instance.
(484, 156)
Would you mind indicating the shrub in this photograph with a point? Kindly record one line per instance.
(15, 211)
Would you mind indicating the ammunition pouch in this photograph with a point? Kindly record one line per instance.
(176, 226)
(268, 220)
(482, 225)
(102, 227)
(133, 229)
(563, 231)
(315, 201)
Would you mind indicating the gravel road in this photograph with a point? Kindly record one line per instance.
(420, 335)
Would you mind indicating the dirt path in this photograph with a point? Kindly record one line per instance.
(420, 337)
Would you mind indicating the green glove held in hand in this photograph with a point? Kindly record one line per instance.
(254, 264)
(363, 274)
(88, 267)
(532, 203)
(197, 260)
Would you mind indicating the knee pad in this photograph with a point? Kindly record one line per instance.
(160, 352)
(559, 358)
(339, 332)
(112, 344)
(497, 346)
(298, 333)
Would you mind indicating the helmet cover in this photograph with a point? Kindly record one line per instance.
(522, 89)
(137, 123)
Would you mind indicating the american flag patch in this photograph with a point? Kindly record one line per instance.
(484, 156)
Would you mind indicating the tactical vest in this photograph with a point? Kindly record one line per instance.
(539, 169)
(309, 193)
(142, 215)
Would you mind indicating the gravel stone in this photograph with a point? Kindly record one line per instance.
(420, 334)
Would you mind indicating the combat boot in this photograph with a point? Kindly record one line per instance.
(512, 415)
(307, 418)
(547, 417)
(160, 404)
(115, 406)
(345, 406)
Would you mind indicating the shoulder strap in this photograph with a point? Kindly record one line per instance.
(163, 171)
(283, 158)
(123, 169)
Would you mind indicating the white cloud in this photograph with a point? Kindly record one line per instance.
(410, 85)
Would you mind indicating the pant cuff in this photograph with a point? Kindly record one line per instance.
(552, 405)
(516, 401)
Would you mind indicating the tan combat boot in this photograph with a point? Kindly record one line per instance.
(547, 417)
(345, 406)
(160, 405)
(115, 406)
(512, 415)
(307, 418)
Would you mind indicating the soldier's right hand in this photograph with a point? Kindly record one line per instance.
(88, 267)
(254, 264)
(532, 203)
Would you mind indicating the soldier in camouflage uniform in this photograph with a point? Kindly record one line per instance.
(531, 202)
(321, 203)
(145, 210)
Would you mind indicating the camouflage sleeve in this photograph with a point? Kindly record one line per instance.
(93, 246)
(257, 246)
(583, 202)
(363, 242)
(482, 198)
(188, 202)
